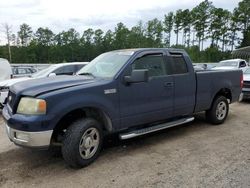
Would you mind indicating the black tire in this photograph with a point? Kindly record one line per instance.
(71, 142)
(219, 118)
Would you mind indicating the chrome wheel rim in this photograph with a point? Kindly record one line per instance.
(221, 110)
(89, 143)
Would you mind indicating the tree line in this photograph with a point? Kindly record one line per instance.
(207, 33)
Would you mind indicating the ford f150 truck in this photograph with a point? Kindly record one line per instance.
(130, 92)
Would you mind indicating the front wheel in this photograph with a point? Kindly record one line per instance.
(218, 112)
(82, 142)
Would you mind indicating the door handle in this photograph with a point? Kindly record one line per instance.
(168, 84)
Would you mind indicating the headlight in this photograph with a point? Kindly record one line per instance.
(31, 106)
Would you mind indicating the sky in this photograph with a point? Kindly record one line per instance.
(59, 15)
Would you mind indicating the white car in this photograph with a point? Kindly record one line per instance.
(231, 64)
(5, 69)
(53, 70)
(246, 84)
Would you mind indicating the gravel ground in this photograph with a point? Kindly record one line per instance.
(192, 155)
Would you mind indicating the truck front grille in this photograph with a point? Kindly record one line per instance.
(11, 99)
(246, 84)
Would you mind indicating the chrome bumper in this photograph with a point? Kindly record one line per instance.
(29, 139)
(241, 97)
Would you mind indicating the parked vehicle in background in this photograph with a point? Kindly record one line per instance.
(231, 64)
(203, 66)
(53, 70)
(131, 92)
(21, 71)
(246, 83)
(198, 67)
(5, 69)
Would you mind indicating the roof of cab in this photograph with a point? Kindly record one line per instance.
(151, 49)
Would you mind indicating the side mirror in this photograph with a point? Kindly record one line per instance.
(137, 76)
(52, 74)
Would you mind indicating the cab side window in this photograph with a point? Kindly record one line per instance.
(179, 65)
(155, 64)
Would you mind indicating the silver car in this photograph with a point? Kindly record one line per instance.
(20, 71)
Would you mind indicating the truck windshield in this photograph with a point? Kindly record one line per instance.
(227, 64)
(106, 65)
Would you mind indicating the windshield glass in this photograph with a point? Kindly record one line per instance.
(106, 65)
(44, 72)
(227, 64)
(247, 71)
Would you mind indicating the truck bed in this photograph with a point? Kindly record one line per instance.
(209, 83)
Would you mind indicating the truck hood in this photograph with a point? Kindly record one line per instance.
(35, 87)
(10, 82)
(246, 77)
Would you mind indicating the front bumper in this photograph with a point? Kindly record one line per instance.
(246, 93)
(29, 139)
(28, 131)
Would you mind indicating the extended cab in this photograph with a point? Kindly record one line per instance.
(131, 92)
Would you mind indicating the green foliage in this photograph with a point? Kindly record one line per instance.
(243, 11)
(246, 38)
(25, 34)
(201, 15)
(186, 25)
(220, 29)
(168, 27)
(178, 24)
(137, 37)
(154, 33)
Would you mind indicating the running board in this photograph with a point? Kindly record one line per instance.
(155, 128)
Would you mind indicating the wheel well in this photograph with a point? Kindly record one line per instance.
(224, 92)
(72, 116)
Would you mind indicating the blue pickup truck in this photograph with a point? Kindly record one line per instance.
(130, 92)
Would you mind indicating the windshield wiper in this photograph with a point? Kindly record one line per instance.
(87, 74)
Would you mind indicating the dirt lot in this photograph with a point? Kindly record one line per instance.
(193, 155)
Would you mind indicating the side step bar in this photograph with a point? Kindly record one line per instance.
(155, 128)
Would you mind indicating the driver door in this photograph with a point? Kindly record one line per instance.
(150, 101)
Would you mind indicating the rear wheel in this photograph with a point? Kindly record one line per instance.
(218, 112)
(82, 142)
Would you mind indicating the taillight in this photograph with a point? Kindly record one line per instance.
(241, 81)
